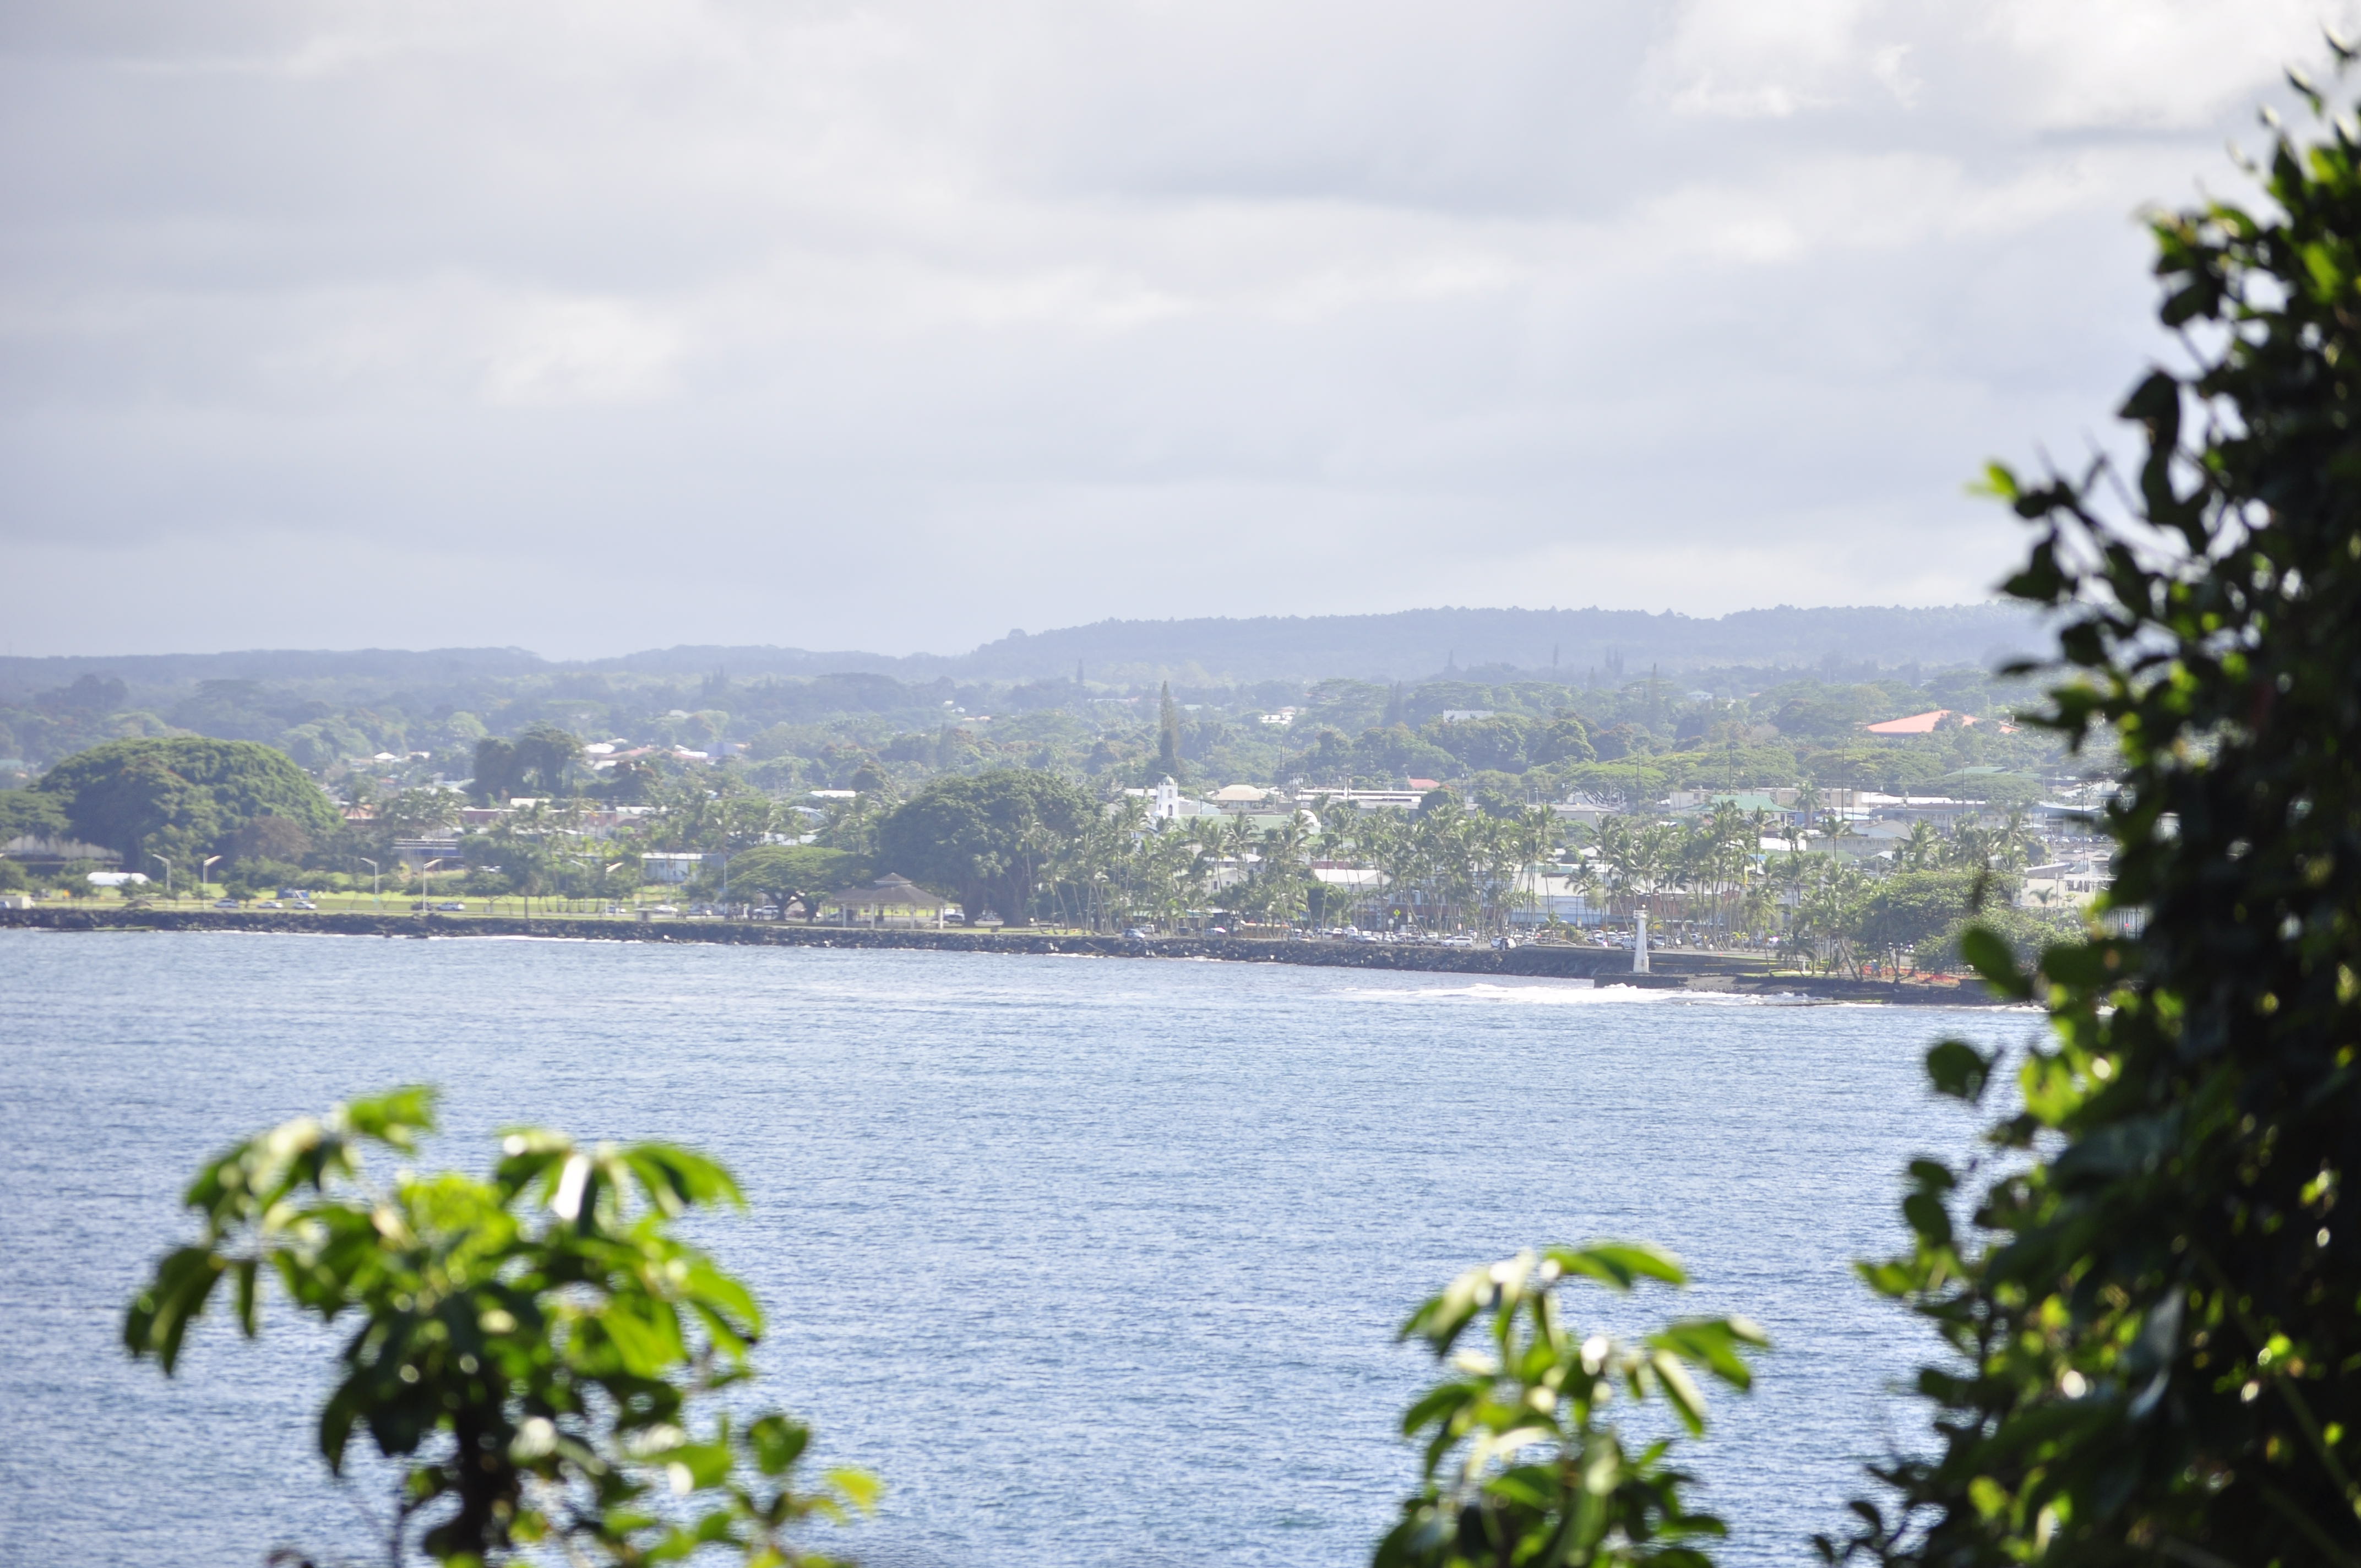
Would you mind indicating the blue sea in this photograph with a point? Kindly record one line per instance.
(1093, 1262)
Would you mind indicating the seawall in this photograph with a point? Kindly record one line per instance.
(1606, 966)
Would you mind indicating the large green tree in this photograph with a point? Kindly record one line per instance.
(183, 796)
(540, 759)
(785, 871)
(990, 836)
(2150, 1287)
(31, 813)
(1909, 907)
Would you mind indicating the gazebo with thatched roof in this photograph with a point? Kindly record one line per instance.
(890, 901)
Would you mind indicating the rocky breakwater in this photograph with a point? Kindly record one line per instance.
(1605, 966)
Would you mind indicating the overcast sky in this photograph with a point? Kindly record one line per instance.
(588, 326)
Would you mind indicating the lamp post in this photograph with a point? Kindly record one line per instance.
(168, 871)
(373, 892)
(203, 871)
(426, 884)
(603, 869)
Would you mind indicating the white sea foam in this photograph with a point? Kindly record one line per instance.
(1562, 995)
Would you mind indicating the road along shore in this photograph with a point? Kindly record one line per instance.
(1605, 966)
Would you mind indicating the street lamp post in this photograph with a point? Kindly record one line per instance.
(426, 884)
(374, 894)
(168, 871)
(203, 872)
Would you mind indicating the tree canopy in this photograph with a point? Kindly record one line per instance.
(540, 758)
(31, 812)
(183, 796)
(987, 835)
(781, 872)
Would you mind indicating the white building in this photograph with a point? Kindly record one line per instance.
(1402, 799)
(2065, 884)
(1167, 804)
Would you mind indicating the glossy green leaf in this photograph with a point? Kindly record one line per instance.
(550, 1310)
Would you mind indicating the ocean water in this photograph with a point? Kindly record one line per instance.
(1092, 1261)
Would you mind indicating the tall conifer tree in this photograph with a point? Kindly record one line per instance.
(1168, 745)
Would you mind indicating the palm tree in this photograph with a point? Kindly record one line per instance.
(1922, 850)
(1620, 857)
(2019, 844)
(419, 813)
(1279, 886)
(1338, 832)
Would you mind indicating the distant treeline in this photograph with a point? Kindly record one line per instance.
(1408, 645)
(1627, 734)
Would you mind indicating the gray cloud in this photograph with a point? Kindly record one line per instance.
(585, 326)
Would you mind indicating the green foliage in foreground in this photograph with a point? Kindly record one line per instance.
(1521, 1464)
(2152, 1295)
(533, 1351)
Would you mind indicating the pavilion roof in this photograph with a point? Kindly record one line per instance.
(891, 890)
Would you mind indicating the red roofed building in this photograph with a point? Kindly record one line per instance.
(1920, 723)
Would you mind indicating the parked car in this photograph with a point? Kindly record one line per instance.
(306, 903)
(1135, 934)
(269, 903)
(450, 906)
(225, 903)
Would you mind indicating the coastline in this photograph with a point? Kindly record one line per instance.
(1673, 971)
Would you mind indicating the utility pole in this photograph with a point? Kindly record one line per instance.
(168, 871)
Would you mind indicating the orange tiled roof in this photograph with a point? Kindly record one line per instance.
(1918, 723)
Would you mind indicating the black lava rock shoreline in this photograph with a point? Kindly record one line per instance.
(1606, 966)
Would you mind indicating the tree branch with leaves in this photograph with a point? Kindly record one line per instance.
(536, 1353)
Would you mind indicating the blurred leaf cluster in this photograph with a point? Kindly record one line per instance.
(538, 1353)
(1522, 1463)
(2154, 1303)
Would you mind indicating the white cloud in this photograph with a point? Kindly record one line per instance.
(580, 351)
(2159, 63)
(1746, 60)
(1046, 312)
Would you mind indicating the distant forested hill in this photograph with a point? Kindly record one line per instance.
(22, 677)
(1409, 644)
(1418, 642)
(1405, 645)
